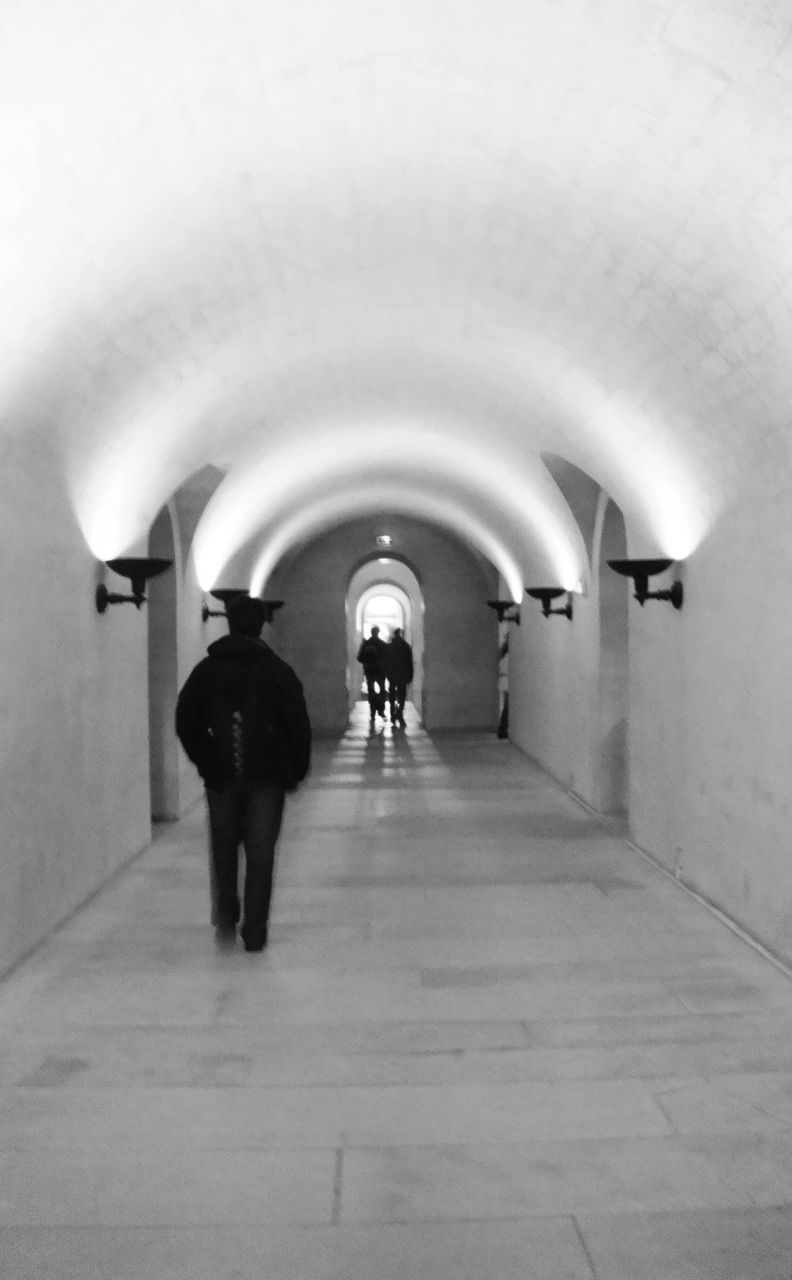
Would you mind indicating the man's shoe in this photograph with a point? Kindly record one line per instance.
(257, 943)
(225, 936)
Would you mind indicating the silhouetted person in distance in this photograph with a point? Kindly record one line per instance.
(399, 670)
(372, 656)
(241, 718)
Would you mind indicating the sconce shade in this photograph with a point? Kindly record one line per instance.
(546, 594)
(226, 594)
(271, 607)
(138, 570)
(641, 571)
(502, 608)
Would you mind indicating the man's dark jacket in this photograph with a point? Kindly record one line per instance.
(372, 654)
(241, 716)
(399, 661)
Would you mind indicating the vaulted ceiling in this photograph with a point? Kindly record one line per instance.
(368, 256)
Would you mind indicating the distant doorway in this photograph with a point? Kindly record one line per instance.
(386, 595)
(385, 611)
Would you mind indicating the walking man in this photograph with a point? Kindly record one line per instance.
(399, 667)
(241, 718)
(372, 656)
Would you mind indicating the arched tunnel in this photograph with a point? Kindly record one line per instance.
(417, 316)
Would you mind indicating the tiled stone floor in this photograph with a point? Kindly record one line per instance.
(488, 1040)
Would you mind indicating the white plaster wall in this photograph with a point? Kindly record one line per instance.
(551, 693)
(610, 664)
(73, 710)
(309, 632)
(460, 688)
(563, 700)
(194, 635)
(710, 711)
(162, 607)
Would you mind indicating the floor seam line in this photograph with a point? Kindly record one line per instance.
(338, 1175)
(585, 1248)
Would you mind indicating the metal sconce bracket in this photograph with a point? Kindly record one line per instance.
(138, 570)
(546, 594)
(641, 571)
(223, 594)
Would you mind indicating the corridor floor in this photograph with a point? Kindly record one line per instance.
(488, 1040)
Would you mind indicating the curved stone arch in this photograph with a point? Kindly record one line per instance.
(394, 556)
(513, 493)
(176, 297)
(391, 589)
(546, 401)
(581, 492)
(335, 510)
(521, 510)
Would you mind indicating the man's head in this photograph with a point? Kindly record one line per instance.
(375, 632)
(245, 616)
(397, 633)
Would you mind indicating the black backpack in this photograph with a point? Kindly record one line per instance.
(370, 654)
(244, 723)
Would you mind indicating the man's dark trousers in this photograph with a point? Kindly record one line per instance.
(398, 693)
(249, 813)
(375, 687)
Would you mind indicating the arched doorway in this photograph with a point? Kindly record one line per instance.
(161, 594)
(387, 594)
(611, 756)
(386, 607)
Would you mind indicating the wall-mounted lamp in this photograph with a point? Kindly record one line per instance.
(502, 608)
(641, 571)
(223, 594)
(546, 594)
(138, 571)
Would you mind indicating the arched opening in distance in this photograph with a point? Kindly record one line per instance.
(161, 595)
(387, 595)
(611, 760)
(386, 611)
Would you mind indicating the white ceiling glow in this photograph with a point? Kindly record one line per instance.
(544, 225)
